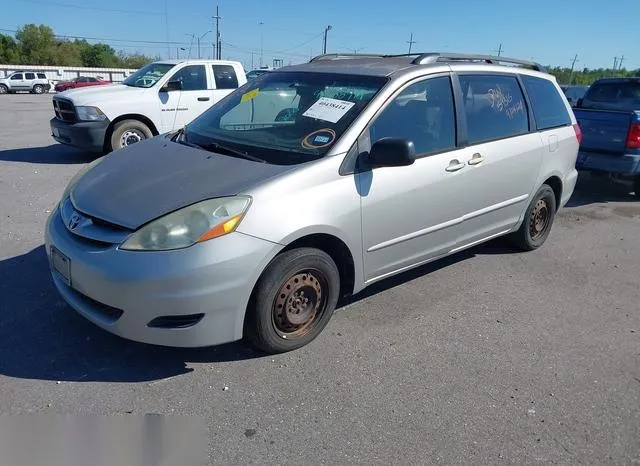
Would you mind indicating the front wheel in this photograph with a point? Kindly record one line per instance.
(293, 301)
(538, 220)
(129, 132)
(3, 89)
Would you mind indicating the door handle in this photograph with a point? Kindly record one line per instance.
(476, 159)
(454, 166)
(203, 99)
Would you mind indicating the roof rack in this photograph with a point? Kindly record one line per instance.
(340, 56)
(434, 57)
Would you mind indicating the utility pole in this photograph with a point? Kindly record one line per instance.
(324, 47)
(620, 64)
(251, 60)
(411, 42)
(500, 50)
(615, 65)
(573, 64)
(261, 43)
(166, 24)
(217, 17)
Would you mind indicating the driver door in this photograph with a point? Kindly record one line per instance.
(179, 107)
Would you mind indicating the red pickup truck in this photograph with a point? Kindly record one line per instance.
(81, 81)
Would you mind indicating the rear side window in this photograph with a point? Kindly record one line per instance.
(42, 76)
(16, 77)
(494, 106)
(547, 104)
(29, 76)
(225, 76)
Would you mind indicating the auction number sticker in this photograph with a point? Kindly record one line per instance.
(328, 109)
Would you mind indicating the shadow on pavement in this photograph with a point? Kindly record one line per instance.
(53, 154)
(592, 189)
(41, 337)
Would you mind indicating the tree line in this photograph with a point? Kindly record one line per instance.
(38, 45)
(587, 76)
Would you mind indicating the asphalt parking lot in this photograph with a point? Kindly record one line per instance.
(488, 357)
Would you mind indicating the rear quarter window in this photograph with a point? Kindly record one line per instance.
(42, 76)
(225, 76)
(547, 104)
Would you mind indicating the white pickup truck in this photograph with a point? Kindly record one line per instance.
(156, 99)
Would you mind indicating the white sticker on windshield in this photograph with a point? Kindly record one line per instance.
(328, 109)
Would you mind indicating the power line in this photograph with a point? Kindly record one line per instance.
(95, 8)
(63, 36)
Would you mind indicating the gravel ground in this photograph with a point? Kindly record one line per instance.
(487, 357)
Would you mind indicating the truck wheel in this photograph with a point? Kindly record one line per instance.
(293, 301)
(3, 89)
(537, 222)
(636, 187)
(129, 132)
(38, 89)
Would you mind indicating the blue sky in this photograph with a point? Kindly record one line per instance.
(550, 32)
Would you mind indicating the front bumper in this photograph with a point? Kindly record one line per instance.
(123, 291)
(85, 135)
(621, 164)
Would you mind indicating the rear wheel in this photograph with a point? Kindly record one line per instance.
(293, 301)
(538, 220)
(3, 89)
(636, 186)
(38, 89)
(129, 132)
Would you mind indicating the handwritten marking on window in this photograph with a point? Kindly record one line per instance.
(499, 100)
(514, 109)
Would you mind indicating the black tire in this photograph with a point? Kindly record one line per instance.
(4, 89)
(127, 132)
(636, 187)
(537, 222)
(280, 316)
(38, 89)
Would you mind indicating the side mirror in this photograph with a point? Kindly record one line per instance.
(172, 86)
(392, 152)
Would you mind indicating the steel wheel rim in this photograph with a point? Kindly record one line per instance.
(540, 219)
(131, 136)
(300, 303)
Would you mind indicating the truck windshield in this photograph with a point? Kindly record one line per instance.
(286, 117)
(148, 75)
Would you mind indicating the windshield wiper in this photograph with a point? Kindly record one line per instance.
(217, 147)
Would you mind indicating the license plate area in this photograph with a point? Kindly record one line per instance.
(61, 264)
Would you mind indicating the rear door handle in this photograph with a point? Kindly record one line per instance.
(454, 166)
(203, 99)
(476, 159)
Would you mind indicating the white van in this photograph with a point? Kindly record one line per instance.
(158, 98)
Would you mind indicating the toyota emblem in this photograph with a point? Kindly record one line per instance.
(74, 221)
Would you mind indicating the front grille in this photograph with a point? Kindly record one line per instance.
(183, 321)
(89, 229)
(103, 311)
(64, 110)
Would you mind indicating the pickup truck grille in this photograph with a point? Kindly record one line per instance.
(64, 110)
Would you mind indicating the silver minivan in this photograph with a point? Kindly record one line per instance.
(308, 184)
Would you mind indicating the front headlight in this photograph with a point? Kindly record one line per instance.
(190, 225)
(90, 114)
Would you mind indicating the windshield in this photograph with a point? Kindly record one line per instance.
(148, 75)
(286, 117)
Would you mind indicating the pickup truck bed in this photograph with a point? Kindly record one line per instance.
(604, 145)
(609, 117)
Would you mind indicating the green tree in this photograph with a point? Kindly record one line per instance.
(37, 44)
(9, 52)
(133, 60)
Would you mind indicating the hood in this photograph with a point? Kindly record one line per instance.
(93, 95)
(132, 186)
